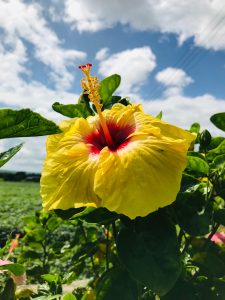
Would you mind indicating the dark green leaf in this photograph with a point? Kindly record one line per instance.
(96, 215)
(23, 123)
(197, 164)
(16, 269)
(216, 151)
(7, 155)
(210, 262)
(108, 86)
(219, 120)
(187, 182)
(219, 216)
(9, 291)
(191, 213)
(218, 164)
(71, 110)
(195, 127)
(205, 138)
(116, 284)
(68, 213)
(215, 141)
(196, 154)
(150, 253)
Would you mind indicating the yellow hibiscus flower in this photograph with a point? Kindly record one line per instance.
(121, 159)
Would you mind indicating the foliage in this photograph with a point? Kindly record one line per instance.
(164, 255)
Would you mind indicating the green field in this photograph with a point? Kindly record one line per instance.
(18, 199)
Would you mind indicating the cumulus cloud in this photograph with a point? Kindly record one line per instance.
(25, 22)
(142, 60)
(20, 24)
(203, 19)
(102, 54)
(173, 77)
(183, 111)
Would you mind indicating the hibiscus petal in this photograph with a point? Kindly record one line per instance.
(68, 173)
(141, 178)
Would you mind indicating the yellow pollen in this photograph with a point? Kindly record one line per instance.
(90, 85)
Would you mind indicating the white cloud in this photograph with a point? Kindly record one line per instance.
(183, 111)
(20, 21)
(142, 60)
(202, 19)
(102, 54)
(173, 77)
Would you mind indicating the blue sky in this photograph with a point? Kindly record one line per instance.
(170, 53)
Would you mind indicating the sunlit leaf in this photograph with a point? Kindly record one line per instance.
(108, 86)
(71, 110)
(23, 123)
(69, 296)
(195, 127)
(197, 164)
(16, 269)
(7, 155)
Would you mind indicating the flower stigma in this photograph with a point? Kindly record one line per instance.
(90, 85)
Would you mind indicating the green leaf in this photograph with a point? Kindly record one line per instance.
(68, 213)
(96, 215)
(71, 110)
(48, 297)
(219, 120)
(151, 254)
(159, 116)
(191, 213)
(7, 155)
(16, 269)
(108, 86)
(218, 164)
(36, 235)
(23, 123)
(196, 154)
(198, 165)
(69, 296)
(50, 278)
(116, 284)
(215, 142)
(188, 182)
(205, 138)
(219, 216)
(195, 127)
(216, 151)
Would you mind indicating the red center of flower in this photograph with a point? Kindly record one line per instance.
(120, 137)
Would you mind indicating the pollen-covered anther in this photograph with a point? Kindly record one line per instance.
(90, 86)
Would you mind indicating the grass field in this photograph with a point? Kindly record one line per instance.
(18, 199)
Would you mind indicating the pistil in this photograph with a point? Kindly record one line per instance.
(90, 86)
